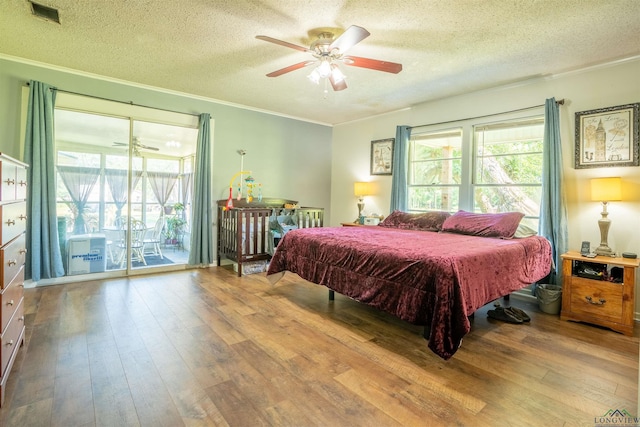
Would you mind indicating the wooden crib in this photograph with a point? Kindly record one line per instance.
(244, 231)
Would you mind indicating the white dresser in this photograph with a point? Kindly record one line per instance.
(13, 213)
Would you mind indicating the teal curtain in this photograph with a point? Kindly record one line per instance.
(201, 250)
(399, 198)
(44, 259)
(553, 214)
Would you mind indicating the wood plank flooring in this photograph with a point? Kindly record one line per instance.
(204, 347)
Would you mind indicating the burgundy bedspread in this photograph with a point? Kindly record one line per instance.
(426, 278)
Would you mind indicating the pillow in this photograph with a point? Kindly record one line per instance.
(501, 225)
(524, 231)
(427, 221)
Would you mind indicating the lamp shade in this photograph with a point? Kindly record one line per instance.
(606, 189)
(362, 189)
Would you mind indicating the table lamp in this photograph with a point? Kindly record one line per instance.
(361, 189)
(605, 190)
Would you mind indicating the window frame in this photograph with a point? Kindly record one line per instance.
(440, 134)
(467, 186)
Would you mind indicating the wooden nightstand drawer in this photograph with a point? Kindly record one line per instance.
(600, 302)
(598, 298)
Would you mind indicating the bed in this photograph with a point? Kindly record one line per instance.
(436, 276)
(249, 231)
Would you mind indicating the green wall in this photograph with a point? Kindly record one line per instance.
(279, 149)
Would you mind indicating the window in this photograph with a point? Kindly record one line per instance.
(435, 168)
(508, 168)
(493, 167)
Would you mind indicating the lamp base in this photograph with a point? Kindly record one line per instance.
(605, 251)
(360, 208)
(604, 223)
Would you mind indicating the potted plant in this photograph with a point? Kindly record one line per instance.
(174, 229)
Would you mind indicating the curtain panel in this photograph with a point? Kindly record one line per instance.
(44, 255)
(187, 179)
(79, 182)
(553, 213)
(162, 184)
(399, 197)
(201, 249)
(117, 182)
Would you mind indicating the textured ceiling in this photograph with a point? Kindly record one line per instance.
(208, 48)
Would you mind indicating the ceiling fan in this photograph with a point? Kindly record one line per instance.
(328, 52)
(137, 145)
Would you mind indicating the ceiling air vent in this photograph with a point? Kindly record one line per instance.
(45, 12)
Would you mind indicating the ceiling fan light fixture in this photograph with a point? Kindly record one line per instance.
(324, 69)
(327, 51)
(336, 73)
(314, 76)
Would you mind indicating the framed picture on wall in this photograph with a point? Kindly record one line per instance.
(607, 137)
(382, 156)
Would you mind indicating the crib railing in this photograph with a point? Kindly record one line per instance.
(244, 232)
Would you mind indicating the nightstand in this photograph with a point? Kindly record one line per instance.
(585, 298)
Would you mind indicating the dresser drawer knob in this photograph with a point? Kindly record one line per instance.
(11, 222)
(12, 262)
(22, 217)
(591, 301)
(10, 342)
(10, 303)
(10, 181)
(22, 251)
(22, 183)
(21, 318)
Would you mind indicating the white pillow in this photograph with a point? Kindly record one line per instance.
(524, 231)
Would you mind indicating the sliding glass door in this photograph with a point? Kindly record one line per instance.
(123, 191)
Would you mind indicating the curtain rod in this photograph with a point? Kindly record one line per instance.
(123, 102)
(558, 102)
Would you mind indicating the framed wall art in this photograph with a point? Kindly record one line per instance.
(607, 137)
(382, 156)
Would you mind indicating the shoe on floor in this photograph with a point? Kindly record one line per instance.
(519, 313)
(501, 314)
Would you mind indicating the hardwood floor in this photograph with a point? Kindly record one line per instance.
(204, 347)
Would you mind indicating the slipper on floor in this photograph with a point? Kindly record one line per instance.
(501, 314)
(519, 313)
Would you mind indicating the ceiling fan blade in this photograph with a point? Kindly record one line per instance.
(283, 43)
(146, 147)
(339, 85)
(373, 64)
(290, 68)
(123, 144)
(349, 38)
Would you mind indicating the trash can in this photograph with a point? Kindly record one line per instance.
(549, 298)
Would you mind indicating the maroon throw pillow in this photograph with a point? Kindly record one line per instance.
(503, 225)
